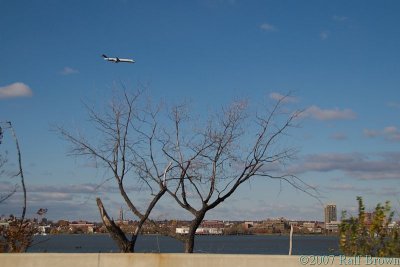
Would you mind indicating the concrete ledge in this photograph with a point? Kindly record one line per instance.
(183, 260)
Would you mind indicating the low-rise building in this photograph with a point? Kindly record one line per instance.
(209, 231)
(82, 226)
(332, 226)
(309, 226)
(4, 224)
(248, 225)
(182, 230)
(205, 228)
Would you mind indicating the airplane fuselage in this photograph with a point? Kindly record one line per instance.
(118, 60)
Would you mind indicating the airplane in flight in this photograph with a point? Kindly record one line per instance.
(117, 60)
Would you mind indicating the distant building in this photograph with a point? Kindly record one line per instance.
(205, 228)
(275, 225)
(4, 224)
(248, 225)
(330, 214)
(212, 224)
(332, 226)
(310, 226)
(182, 230)
(209, 231)
(44, 229)
(83, 226)
(393, 225)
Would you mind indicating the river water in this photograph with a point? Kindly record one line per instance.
(244, 244)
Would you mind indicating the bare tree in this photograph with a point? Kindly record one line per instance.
(211, 161)
(8, 125)
(19, 235)
(121, 132)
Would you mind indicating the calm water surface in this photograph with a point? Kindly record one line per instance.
(249, 244)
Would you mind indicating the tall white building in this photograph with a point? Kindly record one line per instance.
(330, 213)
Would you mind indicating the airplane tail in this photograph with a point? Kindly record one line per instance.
(104, 56)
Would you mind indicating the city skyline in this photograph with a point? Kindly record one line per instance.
(338, 60)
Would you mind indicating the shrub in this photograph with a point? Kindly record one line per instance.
(370, 234)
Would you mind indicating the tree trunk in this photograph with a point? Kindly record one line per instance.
(189, 242)
(115, 231)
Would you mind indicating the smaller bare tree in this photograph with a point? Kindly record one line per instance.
(211, 161)
(18, 236)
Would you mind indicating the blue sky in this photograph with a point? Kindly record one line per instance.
(340, 60)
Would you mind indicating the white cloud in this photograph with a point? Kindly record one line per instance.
(17, 89)
(68, 71)
(324, 35)
(390, 133)
(284, 98)
(316, 112)
(268, 27)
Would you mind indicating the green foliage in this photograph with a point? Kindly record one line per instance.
(369, 234)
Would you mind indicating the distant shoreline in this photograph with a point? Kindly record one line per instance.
(248, 234)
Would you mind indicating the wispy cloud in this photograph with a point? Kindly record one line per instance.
(324, 35)
(50, 196)
(268, 27)
(318, 113)
(370, 133)
(59, 198)
(284, 98)
(355, 165)
(390, 133)
(339, 18)
(68, 71)
(87, 188)
(395, 105)
(339, 136)
(17, 89)
(262, 210)
(62, 190)
(389, 191)
(368, 190)
(347, 187)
